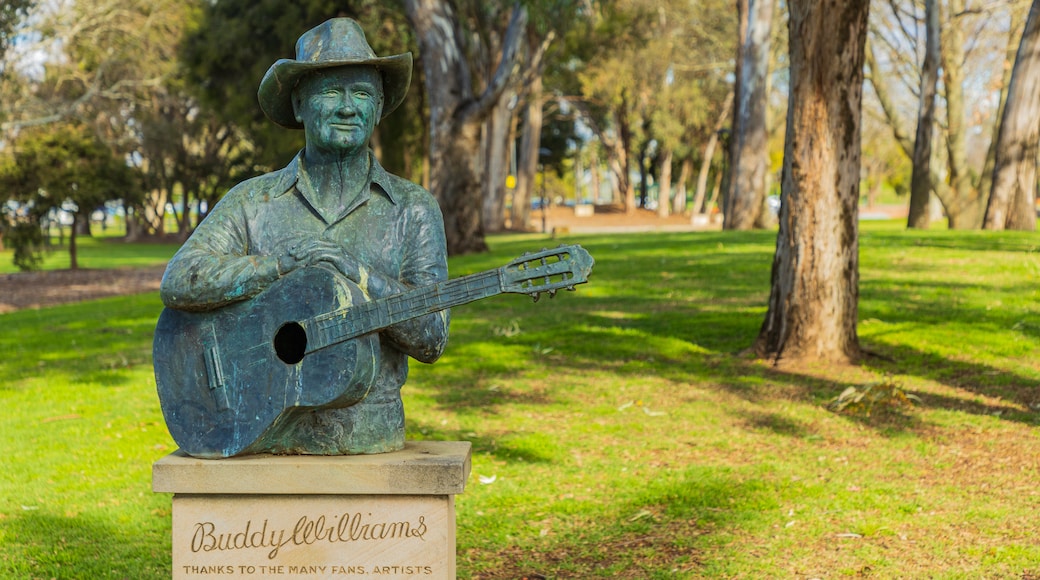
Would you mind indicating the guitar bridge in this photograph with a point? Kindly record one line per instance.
(215, 376)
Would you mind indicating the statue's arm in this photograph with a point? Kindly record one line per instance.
(213, 268)
(425, 263)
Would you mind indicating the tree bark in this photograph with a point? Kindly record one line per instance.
(963, 206)
(498, 130)
(457, 115)
(594, 177)
(709, 153)
(1015, 30)
(664, 188)
(679, 200)
(815, 279)
(920, 180)
(1012, 197)
(73, 249)
(750, 150)
(527, 164)
(619, 160)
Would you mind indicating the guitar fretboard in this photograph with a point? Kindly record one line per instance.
(353, 321)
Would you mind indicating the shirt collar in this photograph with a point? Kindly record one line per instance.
(289, 177)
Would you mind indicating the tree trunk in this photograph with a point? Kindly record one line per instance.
(716, 192)
(1012, 197)
(750, 145)
(709, 153)
(815, 279)
(498, 130)
(920, 180)
(738, 94)
(73, 250)
(456, 115)
(623, 169)
(644, 174)
(1015, 31)
(963, 205)
(594, 172)
(619, 161)
(664, 188)
(527, 164)
(679, 201)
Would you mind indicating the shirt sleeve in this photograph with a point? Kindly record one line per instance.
(425, 263)
(214, 268)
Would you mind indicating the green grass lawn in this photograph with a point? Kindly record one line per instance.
(628, 433)
(97, 252)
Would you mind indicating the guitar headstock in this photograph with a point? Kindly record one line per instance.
(547, 271)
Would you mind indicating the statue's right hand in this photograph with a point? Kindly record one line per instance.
(319, 251)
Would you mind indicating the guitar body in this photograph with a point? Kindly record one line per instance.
(228, 376)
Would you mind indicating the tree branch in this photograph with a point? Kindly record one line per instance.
(481, 106)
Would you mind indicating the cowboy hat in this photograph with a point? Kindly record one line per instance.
(336, 42)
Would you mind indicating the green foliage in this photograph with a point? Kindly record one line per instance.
(59, 167)
(11, 11)
(26, 239)
(651, 71)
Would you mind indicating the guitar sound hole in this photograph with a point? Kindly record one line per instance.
(290, 343)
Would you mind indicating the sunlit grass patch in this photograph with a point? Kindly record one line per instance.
(618, 431)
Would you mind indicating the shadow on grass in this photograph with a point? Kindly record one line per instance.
(682, 306)
(973, 378)
(81, 546)
(92, 342)
(511, 447)
(981, 241)
(657, 529)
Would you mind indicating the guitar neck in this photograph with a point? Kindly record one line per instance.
(353, 321)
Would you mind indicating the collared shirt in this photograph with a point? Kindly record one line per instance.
(394, 227)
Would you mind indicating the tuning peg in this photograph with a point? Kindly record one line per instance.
(571, 289)
(536, 296)
(552, 293)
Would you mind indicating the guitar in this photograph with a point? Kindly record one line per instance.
(310, 340)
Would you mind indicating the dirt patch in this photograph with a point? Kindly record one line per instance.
(612, 219)
(50, 288)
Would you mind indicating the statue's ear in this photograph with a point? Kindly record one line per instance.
(296, 107)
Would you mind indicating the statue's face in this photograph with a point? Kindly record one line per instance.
(339, 107)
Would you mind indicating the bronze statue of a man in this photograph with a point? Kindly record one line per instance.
(332, 206)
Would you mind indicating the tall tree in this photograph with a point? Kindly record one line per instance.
(457, 113)
(971, 75)
(964, 204)
(63, 167)
(650, 73)
(749, 150)
(709, 154)
(920, 181)
(814, 291)
(1013, 194)
(520, 111)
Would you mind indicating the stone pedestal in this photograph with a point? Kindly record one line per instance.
(388, 516)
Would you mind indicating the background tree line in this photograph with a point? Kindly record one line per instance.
(152, 103)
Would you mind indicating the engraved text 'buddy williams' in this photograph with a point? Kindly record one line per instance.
(337, 529)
